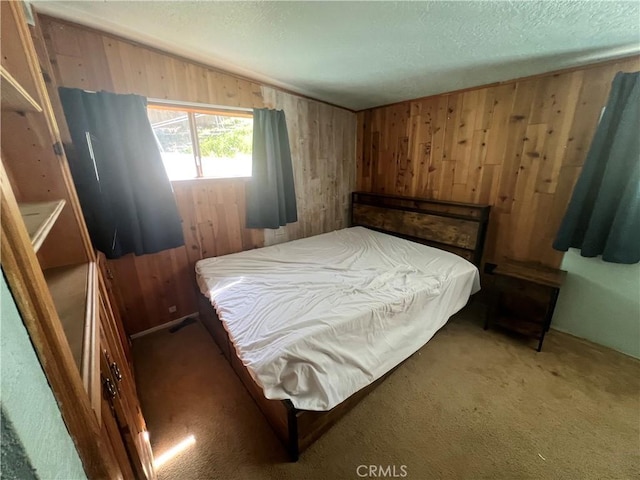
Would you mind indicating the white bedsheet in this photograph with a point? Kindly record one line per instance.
(315, 320)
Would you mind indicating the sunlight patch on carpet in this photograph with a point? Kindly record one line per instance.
(174, 451)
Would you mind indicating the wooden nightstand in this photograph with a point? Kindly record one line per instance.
(524, 297)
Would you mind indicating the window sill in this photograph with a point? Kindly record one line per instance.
(210, 180)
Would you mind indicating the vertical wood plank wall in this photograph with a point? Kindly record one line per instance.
(325, 175)
(518, 147)
(323, 148)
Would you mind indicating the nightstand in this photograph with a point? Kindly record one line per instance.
(524, 297)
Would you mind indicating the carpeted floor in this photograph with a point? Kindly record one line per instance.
(471, 404)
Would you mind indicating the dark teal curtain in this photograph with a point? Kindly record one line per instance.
(603, 217)
(270, 194)
(126, 197)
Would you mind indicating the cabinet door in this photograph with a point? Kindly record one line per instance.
(123, 396)
(110, 293)
(110, 428)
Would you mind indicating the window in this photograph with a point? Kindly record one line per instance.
(202, 143)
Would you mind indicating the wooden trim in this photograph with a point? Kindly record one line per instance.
(91, 349)
(40, 218)
(186, 59)
(196, 182)
(14, 96)
(508, 82)
(75, 295)
(164, 326)
(188, 107)
(29, 289)
(195, 142)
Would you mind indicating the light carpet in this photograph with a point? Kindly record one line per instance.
(470, 404)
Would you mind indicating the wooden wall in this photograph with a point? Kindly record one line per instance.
(518, 146)
(325, 175)
(212, 210)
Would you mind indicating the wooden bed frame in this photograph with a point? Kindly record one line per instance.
(456, 227)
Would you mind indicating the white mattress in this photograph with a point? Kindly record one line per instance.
(315, 320)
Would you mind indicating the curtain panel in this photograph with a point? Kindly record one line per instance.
(270, 195)
(124, 191)
(603, 217)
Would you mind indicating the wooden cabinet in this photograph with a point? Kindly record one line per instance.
(109, 292)
(51, 269)
(119, 385)
(524, 297)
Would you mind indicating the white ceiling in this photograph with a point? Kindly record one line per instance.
(363, 54)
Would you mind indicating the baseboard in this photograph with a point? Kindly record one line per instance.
(593, 343)
(163, 326)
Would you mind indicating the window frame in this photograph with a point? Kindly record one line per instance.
(191, 109)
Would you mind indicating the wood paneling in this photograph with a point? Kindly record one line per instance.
(518, 147)
(322, 141)
(213, 213)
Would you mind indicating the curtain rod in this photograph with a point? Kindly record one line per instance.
(178, 103)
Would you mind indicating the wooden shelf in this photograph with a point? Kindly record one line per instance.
(39, 219)
(14, 97)
(75, 294)
(520, 325)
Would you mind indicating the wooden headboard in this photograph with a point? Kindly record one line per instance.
(459, 228)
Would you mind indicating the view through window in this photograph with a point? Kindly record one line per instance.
(201, 143)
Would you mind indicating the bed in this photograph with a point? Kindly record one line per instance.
(311, 326)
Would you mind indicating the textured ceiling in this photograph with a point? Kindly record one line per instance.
(363, 54)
